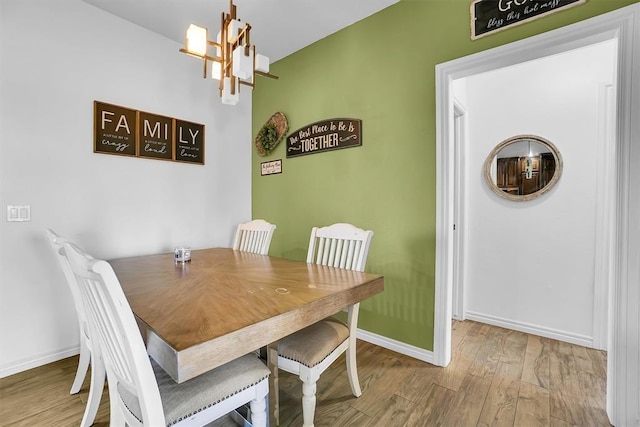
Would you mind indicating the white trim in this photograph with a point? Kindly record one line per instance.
(34, 362)
(444, 217)
(623, 378)
(397, 346)
(605, 214)
(531, 328)
(460, 129)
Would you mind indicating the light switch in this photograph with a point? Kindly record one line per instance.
(18, 213)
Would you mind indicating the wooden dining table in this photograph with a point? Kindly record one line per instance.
(224, 303)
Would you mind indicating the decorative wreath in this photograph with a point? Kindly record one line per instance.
(271, 133)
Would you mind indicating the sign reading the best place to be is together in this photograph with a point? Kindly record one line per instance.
(326, 135)
(489, 16)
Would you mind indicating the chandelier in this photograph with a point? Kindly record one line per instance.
(234, 62)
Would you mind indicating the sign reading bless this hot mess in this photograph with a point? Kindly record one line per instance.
(489, 16)
(124, 131)
(326, 135)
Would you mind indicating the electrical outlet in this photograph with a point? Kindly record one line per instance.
(18, 213)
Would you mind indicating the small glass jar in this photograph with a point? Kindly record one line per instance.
(182, 254)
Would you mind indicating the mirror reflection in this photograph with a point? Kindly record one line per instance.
(523, 167)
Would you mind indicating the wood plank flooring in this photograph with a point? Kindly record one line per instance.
(497, 377)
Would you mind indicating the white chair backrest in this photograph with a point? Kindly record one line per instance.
(339, 245)
(113, 325)
(254, 236)
(57, 242)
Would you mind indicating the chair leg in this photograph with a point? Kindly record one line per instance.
(83, 366)
(308, 402)
(274, 382)
(352, 371)
(258, 409)
(116, 417)
(98, 376)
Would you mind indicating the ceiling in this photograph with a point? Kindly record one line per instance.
(278, 27)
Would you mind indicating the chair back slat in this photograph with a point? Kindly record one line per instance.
(58, 242)
(350, 258)
(106, 329)
(321, 252)
(339, 245)
(112, 323)
(254, 236)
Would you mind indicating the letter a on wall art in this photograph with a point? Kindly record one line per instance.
(128, 132)
(114, 129)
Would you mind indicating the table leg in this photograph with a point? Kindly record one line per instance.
(274, 393)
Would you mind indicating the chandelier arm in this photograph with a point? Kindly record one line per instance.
(226, 67)
(253, 65)
(207, 57)
(271, 76)
(240, 37)
(232, 9)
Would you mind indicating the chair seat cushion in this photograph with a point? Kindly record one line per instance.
(180, 401)
(314, 343)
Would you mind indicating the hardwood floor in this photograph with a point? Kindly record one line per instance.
(497, 377)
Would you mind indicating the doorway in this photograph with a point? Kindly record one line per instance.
(623, 366)
(530, 264)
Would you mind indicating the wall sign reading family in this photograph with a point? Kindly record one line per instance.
(489, 16)
(129, 132)
(326, 135)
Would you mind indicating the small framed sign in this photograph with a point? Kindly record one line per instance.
(271, 168)
(489, 16)
(114, 129)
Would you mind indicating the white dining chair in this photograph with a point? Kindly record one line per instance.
(140, 392)
(310, 351)
(87, 357)
(254, 236)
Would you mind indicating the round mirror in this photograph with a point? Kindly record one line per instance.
(523, 167)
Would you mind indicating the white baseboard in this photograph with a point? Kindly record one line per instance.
(529, 328)
(397, 346)
(34, 362)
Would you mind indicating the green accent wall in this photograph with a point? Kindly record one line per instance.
(380, 70)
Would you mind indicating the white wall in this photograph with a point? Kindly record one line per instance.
(530, 265)
(57, 57)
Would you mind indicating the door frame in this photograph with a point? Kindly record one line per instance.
(623, 388)
(459, 136)
(605, 249)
